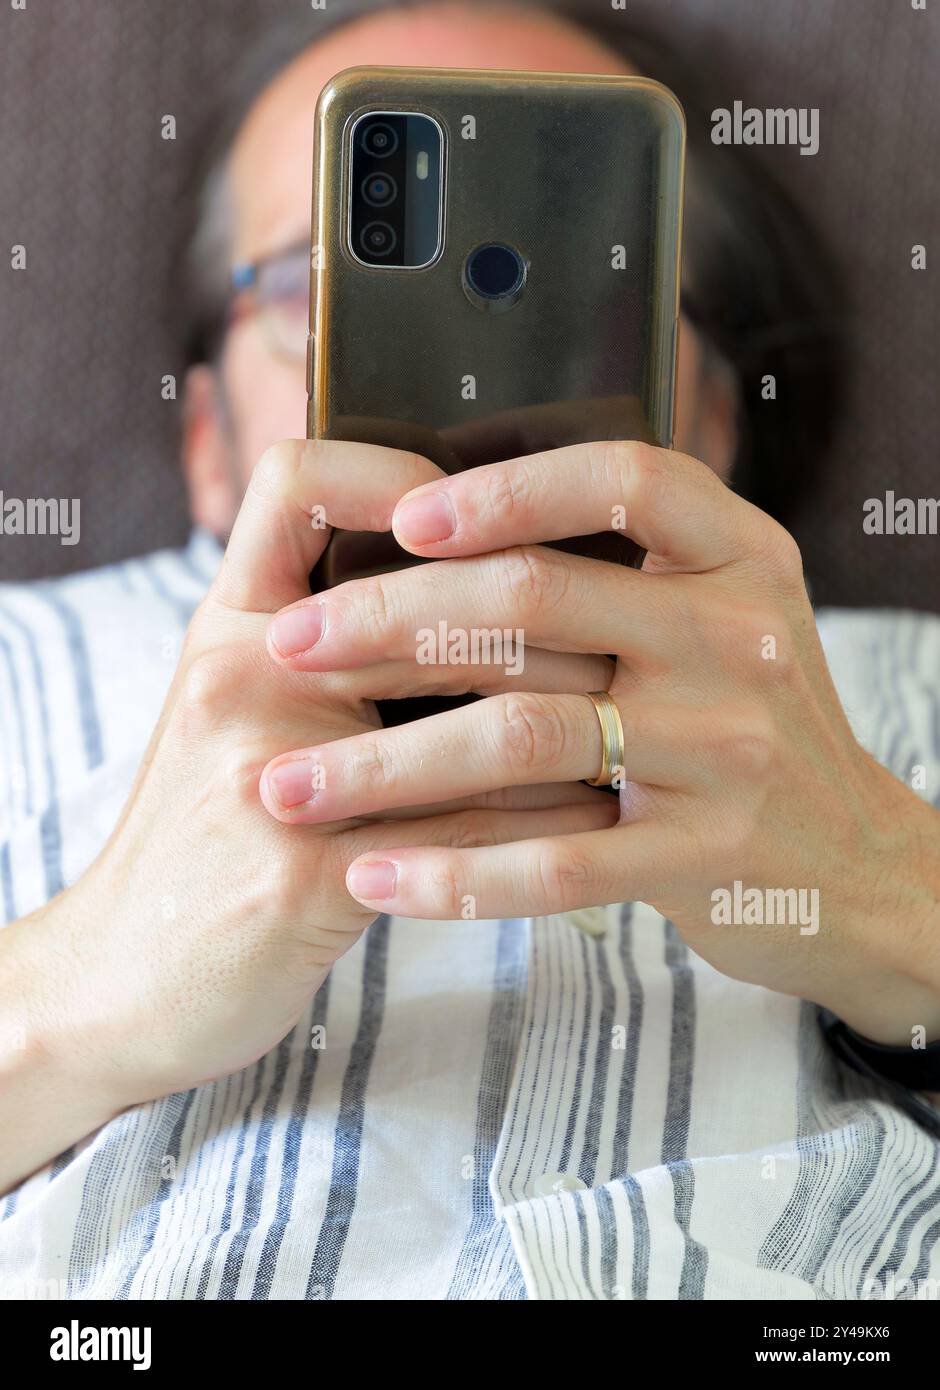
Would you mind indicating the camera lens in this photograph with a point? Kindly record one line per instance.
(495, 272)
(379, 189)
(377, 239)
(494, 276)
(379, 139)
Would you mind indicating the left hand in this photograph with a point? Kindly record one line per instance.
(739, 763)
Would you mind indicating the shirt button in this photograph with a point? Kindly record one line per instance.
(550, 1183)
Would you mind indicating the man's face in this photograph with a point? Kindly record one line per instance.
(259, 393)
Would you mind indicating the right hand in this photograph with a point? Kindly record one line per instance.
(195, 941)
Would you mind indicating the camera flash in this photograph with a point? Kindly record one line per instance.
(422, 165)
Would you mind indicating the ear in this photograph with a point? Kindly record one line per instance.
(207, 462)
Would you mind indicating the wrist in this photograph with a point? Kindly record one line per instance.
(50, 1057)
(888, 989)
(895, 1013)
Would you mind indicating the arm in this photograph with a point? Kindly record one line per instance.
(106, 999)
(52, 1090)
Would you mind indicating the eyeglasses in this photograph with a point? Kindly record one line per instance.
(275, 290)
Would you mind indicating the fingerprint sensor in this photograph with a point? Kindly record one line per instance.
(494, 276)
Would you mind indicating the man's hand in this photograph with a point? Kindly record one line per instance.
(197, 938)
(739, 764)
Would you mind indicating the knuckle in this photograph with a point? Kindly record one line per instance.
(372, 765)
(506, 493)
(377, 605)
(473, 830)
(278, 876)
(632, 465)
(536, 580)
(240, 772)
(731, 836)
(276, 468)
(752, 636)
(205, 688)
(444, 887)
(783, 555)
(629, 459)
(638, 470)
(742, 628)
(530, 732)
(564, 876)
(747, 744)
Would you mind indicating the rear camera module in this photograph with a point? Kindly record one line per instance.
(395, 190)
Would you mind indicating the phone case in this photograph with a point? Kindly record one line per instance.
(584, 175)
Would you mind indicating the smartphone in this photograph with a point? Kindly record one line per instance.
(495, 271)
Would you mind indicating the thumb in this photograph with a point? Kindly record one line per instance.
(298, 491)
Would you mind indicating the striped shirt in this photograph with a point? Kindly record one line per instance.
(468, 1110)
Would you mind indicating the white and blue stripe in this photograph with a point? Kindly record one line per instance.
(723, 1153)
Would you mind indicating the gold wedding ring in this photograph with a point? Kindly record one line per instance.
(612, 735)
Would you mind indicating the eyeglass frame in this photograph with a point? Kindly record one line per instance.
(246, 302)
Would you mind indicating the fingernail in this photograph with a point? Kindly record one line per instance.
(297, 630)
(296, 782)
(373, 881)
(423, 520)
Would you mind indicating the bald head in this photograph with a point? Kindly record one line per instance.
(270, 168)
(253, 396)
